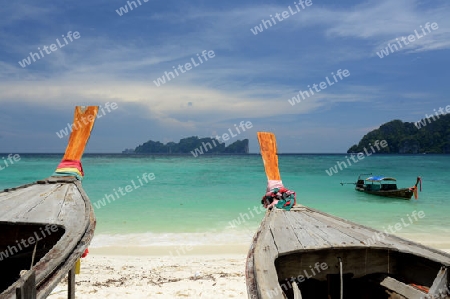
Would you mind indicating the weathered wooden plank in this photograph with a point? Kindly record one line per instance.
(377, 239)
(15, 199)
(414, 248)
(73, 204)
(50, 207)
(264, 256)
(6, 195)
(362, 235)
(402, 289)
(17, 208)
(250, 272)
(306, 233)
(283, 233)
(327, 231)
(27, 290)
(440, 282)
(297, 293)
(74, 216)
(51, 282)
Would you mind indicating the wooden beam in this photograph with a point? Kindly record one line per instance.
(83, 122)
(71, 283)
(268, 146)
(297, 293)
(27, 289)
(440, 283)
(402, 289)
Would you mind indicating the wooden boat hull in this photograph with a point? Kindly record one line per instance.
(404, 193)
(300, 254)
(47, 225)
(58, 218)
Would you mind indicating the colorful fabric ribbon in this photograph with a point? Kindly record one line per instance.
(280, 198)
(70, 168)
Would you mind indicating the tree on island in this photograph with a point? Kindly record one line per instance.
(425, 136)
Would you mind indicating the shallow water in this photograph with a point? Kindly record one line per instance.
(216, 199)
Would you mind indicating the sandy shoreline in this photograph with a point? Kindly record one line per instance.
(188, 276)
(183, 271)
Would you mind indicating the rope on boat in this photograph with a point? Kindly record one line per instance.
(342, 280)
(34, 254)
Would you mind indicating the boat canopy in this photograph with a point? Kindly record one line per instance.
(380, 179)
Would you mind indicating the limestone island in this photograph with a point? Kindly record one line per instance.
(191, 145)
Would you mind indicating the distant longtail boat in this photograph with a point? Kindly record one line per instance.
(385, 186)
(46, 226)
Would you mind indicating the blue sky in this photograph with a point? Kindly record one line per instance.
(251, 77)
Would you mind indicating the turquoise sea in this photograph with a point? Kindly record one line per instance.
(216, 199)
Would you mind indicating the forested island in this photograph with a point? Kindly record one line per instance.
(429, 135)
(191, 145)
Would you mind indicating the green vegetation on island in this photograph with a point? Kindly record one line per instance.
(191, 145)
(429, 135)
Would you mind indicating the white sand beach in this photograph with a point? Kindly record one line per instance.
(214, 272)
(150, 276)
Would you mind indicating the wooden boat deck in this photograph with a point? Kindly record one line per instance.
(59, 201)
(278, 246)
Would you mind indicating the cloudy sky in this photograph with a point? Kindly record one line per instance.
(118, 55)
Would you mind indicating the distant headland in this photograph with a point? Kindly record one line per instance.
(191, 145)
(430, 135)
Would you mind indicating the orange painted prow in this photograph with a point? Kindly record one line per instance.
(282, 198)
(83, 122)
(415, 190)
(268, 147)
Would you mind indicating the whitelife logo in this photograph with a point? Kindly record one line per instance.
(124, 9)
(423, 122)
(108, 198)
(411, 38)
(360, 157)
(33, 56)
(323, 85)
(187, 67)
(11, 158)
(281, 16)
(199, 150)
(22, 244)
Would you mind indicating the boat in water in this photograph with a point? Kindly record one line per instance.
(304, 253)
(386, 186)
(47, 225)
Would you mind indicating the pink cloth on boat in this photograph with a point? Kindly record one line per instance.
(272, 184)
(71, 163)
